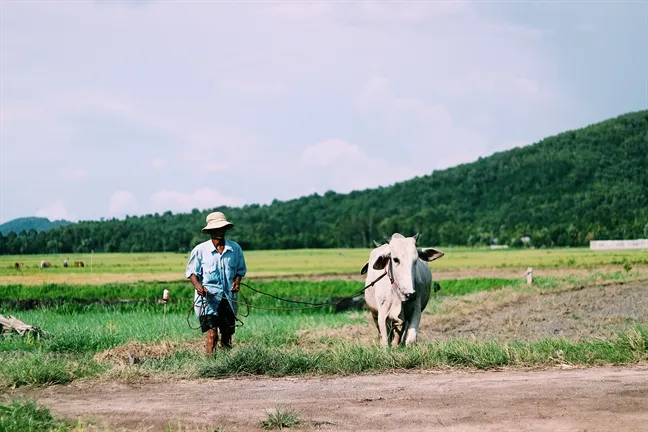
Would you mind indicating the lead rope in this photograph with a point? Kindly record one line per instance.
(311, 305)
(394, 284)
(203, 307)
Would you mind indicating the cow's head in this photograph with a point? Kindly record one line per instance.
(398, 258)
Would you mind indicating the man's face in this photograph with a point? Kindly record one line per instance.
(218, 234)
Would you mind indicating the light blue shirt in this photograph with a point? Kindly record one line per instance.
(216, 273)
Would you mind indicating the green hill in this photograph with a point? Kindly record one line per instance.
(29, 223)
(590, 183)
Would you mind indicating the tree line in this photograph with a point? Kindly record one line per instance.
(568, 189)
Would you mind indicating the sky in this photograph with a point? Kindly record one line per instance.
(114, 108)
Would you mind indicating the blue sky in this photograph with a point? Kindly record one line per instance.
(115, 108)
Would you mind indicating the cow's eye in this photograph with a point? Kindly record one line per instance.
(396, 260)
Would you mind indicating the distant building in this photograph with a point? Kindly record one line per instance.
(618, 244)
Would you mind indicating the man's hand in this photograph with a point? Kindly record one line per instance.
(201, 290)
(236, 286)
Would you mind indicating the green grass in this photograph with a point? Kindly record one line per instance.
(67, 352)
(69, 298)
(268, 342)
(23, 415)
(281, 418)
(344, 358)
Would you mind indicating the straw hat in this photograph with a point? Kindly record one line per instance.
(216, 220)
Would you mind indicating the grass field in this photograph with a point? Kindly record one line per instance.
(93, 340)
(584, 308)
(120, 331)
(458, 262)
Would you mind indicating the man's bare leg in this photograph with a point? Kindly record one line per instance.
(212, 339)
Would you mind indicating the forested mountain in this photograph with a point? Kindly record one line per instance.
(565, 190)
(28, 223)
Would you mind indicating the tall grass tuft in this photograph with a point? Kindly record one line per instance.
(26, 416)
(629, 347)
(281, 418)
(37, 369)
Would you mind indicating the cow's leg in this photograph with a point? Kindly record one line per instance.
(398, 334)
(412, 331)
(404, 332)
(382, 325)
(396, 320)
(374, 315)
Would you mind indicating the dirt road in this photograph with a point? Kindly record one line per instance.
(598, 399)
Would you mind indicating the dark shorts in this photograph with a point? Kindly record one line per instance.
(224, 321)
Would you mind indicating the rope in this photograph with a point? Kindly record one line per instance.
(311, 305)
(203, 303)
(307, 303)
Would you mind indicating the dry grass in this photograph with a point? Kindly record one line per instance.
(135, 352)
(461, 309)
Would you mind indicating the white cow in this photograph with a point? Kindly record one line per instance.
(399, 298)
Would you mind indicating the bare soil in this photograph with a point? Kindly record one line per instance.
(588, 313)
(597, 399)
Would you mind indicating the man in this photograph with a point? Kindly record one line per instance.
(215, 269)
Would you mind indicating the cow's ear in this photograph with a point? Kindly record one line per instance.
(430, 254)
(381, 262)
(364, 268)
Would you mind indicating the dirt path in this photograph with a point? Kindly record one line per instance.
(597, 399)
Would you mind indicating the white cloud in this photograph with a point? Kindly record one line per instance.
(18, 112)
(122, 202)
(254, 87)
(77, 174)
(158, 163)
(203, 198)
(377, 98)
(300, 11)
(345, 167)
(429, 128)
(330, 151)
(56, 211)
(215, 167)
(413, 11)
